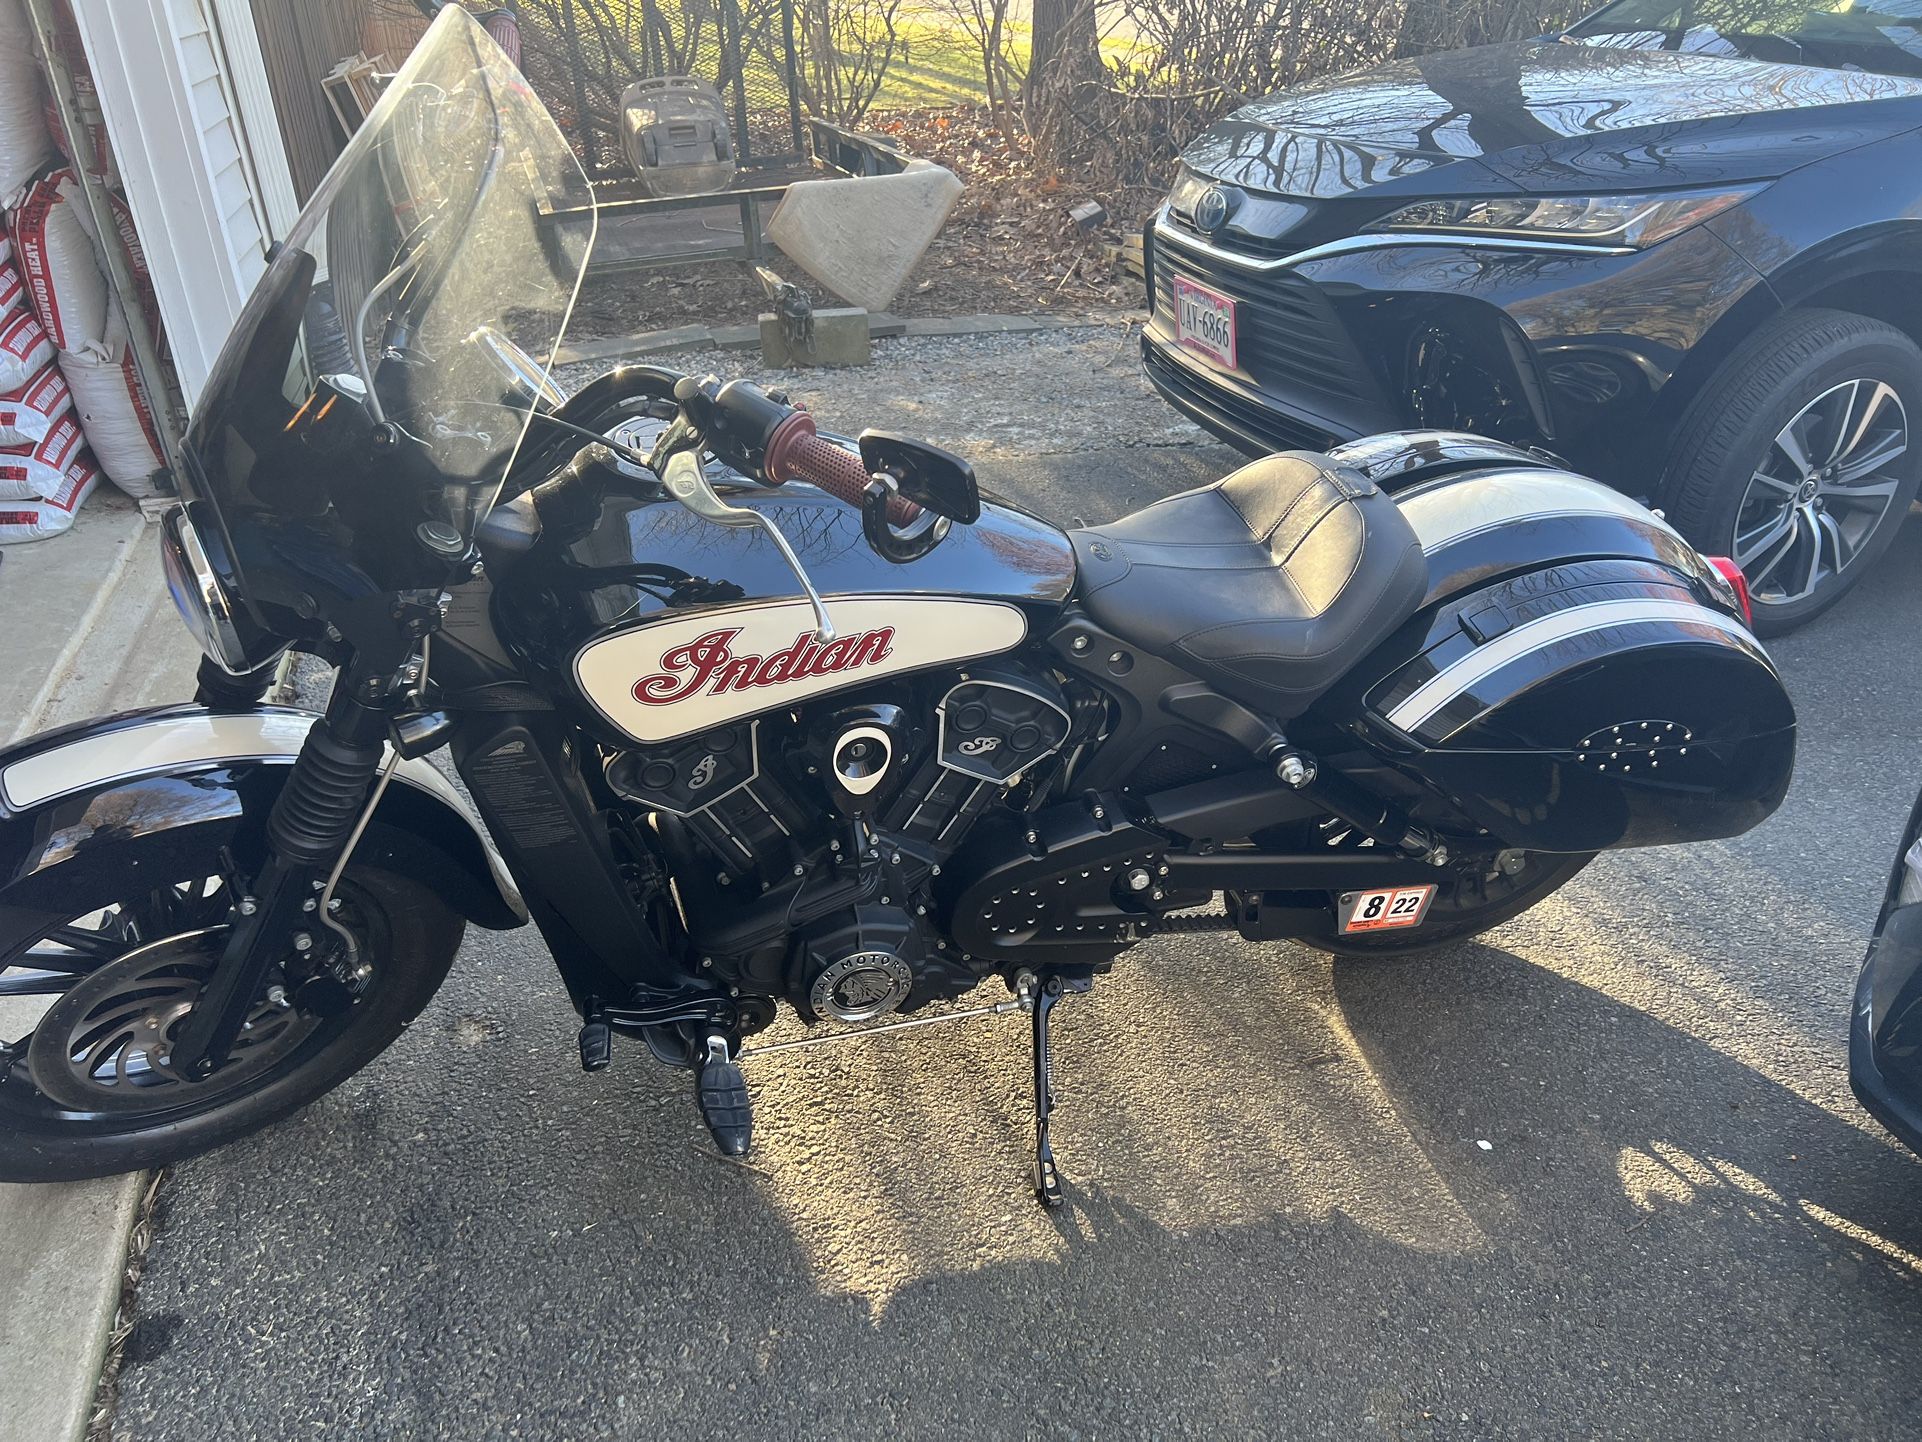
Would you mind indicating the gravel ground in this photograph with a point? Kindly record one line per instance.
(983, 397)
(1595, 1175)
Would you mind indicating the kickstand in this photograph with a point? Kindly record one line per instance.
(1042, 996)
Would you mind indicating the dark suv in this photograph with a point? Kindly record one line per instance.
(1679, 246)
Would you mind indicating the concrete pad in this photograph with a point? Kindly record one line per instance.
(47, 590)
(63, 1247)
(862, 236)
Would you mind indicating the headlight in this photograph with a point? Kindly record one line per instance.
(1187, 190)
(199, 596)
(1634, 221)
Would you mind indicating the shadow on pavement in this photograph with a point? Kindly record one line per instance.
(1282, 1221)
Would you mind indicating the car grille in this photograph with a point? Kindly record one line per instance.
(1276, 429)
(1288, 338)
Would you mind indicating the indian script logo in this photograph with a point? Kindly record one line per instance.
(708, 665)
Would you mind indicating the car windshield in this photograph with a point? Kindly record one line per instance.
(401, 335)
(1885, 37)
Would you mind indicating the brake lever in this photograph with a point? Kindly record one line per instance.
(687, 483)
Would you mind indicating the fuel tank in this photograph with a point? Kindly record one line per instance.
(665, 625)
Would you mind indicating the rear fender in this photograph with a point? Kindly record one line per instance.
(160, 792)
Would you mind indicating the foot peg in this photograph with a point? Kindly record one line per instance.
(597, 1045)
(721, 1091)
(1042, 996)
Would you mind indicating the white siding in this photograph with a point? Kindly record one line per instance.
(191, 177)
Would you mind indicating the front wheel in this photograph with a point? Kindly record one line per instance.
(86, 1086)
(1470, 898)
(1797, 459)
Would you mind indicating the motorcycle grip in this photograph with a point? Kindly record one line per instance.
(796, 453)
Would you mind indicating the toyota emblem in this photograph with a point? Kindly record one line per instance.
(1212, 210)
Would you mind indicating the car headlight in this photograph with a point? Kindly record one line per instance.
(1634, 221)
(199, 596)
(1186, 191)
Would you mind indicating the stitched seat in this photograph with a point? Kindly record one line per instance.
(1269, 584)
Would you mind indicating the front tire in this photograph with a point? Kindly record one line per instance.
(1797, 459)
(86, 1093)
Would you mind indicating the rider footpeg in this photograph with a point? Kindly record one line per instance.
(597, 1045)
(721, 1091)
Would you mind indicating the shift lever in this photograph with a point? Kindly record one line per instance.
(688, 484)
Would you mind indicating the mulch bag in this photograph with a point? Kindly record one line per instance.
(36, 520)
(53, 250)
(33, 473)
(94, 152)
(25, 145)
(29, 413)
(110, 405)
(25, 349)
(96, 156)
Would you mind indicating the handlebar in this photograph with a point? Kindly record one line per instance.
(796, 453)
(762, 433)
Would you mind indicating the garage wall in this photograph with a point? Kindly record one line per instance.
(192, 172)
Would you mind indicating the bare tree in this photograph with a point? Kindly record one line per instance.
(986, 24)
(848, 46)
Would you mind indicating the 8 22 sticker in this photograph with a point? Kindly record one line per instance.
(1389, 909)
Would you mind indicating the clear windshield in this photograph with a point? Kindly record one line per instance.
(429, 280)
(1883, 36)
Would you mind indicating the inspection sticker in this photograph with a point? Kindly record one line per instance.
(1387, 910)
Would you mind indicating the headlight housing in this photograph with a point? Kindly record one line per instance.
(1634, 222)
(199, 596)
(1186, 190)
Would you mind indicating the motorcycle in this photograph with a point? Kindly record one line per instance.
(752, 715)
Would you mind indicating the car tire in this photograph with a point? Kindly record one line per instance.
(1768, 463)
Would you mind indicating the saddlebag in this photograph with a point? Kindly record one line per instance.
(1578, 677)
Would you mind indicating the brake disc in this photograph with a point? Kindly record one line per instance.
(104, 1045)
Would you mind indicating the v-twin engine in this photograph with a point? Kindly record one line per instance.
(807, 849)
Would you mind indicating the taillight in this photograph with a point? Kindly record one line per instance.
(1738, 583)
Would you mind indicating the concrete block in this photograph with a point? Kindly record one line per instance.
(840, 339)
(861, 236)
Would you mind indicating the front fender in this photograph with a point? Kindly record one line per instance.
(142, 792)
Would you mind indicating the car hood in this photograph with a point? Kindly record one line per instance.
(1551, 116)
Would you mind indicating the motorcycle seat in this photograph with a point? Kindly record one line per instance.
(1269, 584)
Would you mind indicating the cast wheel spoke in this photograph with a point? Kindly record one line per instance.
(1793, 443)
(1771, 483)
(25, 982)
(1839, 548)
(1774, 541)
(1881, 451)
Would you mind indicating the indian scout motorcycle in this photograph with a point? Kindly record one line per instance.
(752, 715)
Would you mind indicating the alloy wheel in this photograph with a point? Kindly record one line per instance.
(1822, 491)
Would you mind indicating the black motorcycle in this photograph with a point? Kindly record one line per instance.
(750, 714)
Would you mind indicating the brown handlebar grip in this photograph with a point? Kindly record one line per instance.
(796, 453)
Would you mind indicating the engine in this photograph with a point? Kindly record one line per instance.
(807, 847)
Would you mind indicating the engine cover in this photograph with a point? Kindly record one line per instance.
(863, 963)
(995, 725)
(861, 986)
(1057, 894)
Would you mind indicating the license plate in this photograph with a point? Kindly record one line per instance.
(1205, 321)
(1390, 909)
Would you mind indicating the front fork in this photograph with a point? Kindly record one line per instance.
(277, 913)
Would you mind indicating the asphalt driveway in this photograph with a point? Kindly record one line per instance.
(1596, 1175)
